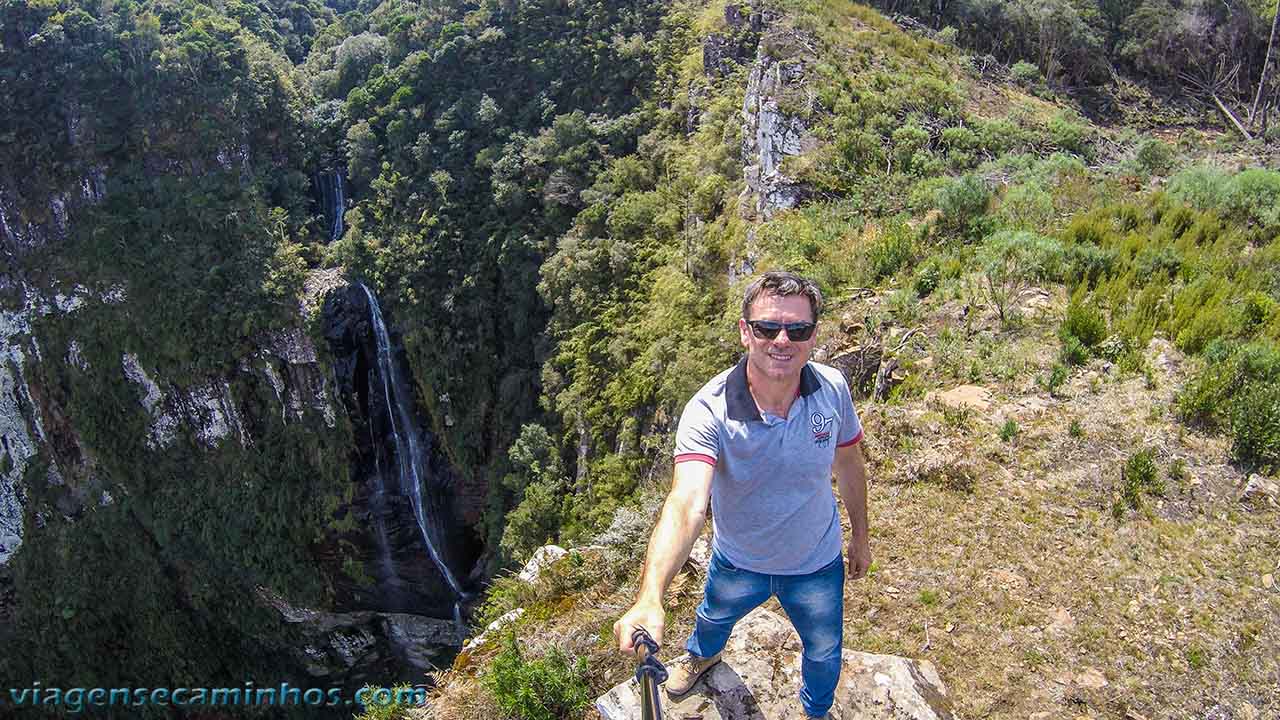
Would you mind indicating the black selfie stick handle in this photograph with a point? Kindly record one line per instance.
(650, 673)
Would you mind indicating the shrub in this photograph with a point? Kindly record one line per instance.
(1009, 430)
(1203, 187)
(1154, 156)
(927, 277)
(1258, 308)
(999, 136)
(907, 141)
(1076, 428)
(1055, 379)
(959, 138)
(548, 688)
(1253, 198)
(1068, 133)
(1087, 264)
(1073, 351)
(892, 248)
(963, 202)
(1083, 321)
(1026, 74)
(1138, 478)
(1026, 206)
(1255, 425)
(1010, 260)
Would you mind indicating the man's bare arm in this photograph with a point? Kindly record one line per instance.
(679, 525)
(851, 479)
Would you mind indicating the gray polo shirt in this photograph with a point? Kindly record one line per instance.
(773, 509)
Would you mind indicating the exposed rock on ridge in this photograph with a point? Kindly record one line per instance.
(775, 121)
(759, 679)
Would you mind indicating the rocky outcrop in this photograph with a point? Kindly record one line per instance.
(724, 52)
(367, 645)
(776, 124)
(759, 679)
(1260, 492)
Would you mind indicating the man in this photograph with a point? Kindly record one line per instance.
(762, 440)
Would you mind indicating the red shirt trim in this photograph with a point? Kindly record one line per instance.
(855, 439)
(699, 457)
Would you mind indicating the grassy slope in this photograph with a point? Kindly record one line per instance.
(1019, 585)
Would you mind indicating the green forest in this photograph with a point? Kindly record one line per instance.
(559, 202)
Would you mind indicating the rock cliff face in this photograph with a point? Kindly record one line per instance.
(776, 125)
(387, 614)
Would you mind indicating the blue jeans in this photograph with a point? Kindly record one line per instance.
(814, 602)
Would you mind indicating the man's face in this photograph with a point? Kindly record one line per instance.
(780, 358)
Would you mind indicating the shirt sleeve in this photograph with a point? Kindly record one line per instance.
(698, 434)
(850, 425)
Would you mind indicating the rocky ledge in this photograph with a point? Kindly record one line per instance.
(760, 680)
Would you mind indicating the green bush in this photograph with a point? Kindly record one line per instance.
(1253, 198)
(1009, 430)
(1011, 260)
(1212, 396)
(1073, 351)
(1138, 479)
(927, 277)
(908, 140)
(1027, 206)
(891, 250)
(1069, 133)
(1154, 156)
(1203, 187)
(1255, 425)
(1026, 74)
(1056, 378)
(1083, 321)
(963, 203)
(548, 688)
(1087, 263)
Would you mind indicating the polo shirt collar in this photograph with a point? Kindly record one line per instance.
(739, 405)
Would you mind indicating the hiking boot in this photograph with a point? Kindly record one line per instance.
(685, 670)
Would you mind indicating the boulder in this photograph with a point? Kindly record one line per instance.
(543, 558)
(1259, 491)
(760, 680)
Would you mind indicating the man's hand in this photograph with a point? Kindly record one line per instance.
(859, 557)
(641, 615)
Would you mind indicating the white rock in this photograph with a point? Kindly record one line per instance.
(760, 679)
(542, 559)
(164, 427)
(505, 619)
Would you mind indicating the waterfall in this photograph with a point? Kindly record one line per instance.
(409, 451)
(333, 201)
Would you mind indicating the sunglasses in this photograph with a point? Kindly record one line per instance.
(768, 330)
